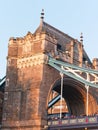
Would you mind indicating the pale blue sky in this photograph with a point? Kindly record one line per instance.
(17, 17)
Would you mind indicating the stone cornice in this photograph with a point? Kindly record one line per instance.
(31, 61)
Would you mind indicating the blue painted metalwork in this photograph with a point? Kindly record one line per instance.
(52, 60)
(2, 81)
(54, 100)
(57, 65)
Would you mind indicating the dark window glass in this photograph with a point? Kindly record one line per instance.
(59, 47)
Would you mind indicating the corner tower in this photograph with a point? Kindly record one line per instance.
(26, 90)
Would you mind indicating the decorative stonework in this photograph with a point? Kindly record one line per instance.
(31, 61)
(7, 82)
(6, 96)
(27, 47)
(8, 62)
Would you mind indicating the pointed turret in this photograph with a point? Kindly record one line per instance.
(81, 37)
(42, 16)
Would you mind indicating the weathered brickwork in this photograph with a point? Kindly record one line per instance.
(1, 105)
(29, 80)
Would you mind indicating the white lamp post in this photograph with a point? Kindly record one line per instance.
(61, 94)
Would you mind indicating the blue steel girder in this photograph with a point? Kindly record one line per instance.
(2, 80)
(54, 100)
(73, 71)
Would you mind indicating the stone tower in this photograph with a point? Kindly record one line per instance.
(29, 79)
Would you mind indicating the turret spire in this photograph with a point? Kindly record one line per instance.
(81, 37)
(42, 15)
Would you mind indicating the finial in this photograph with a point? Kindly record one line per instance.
(81, 37)
(42, 14)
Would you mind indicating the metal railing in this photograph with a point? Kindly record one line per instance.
(82, 121)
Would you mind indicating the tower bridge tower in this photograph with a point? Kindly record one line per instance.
(30, 80)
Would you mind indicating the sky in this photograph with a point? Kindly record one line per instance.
(72, 17)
